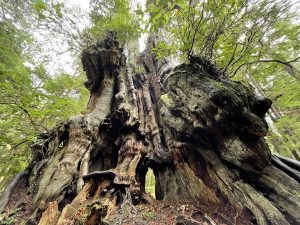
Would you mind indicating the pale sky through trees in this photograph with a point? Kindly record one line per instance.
(65, 61)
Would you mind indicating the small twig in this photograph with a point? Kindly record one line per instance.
(210, 219)
(127, 202)
(17, 145)
(31, 119)
(219, 214)
(236, 216)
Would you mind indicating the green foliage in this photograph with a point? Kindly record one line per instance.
(285, 93)
(10, 218)
(31, 100)
(230, 33)
(114, 15)
(243, 38)
(14, 78)
(58, 9)
(44, 9)
(40, 7)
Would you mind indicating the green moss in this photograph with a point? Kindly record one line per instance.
(167, 100)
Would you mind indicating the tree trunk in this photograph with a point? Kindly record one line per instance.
(274, 114)
(201, 134)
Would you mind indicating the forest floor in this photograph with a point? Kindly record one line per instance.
(156, 212)
(20, 205)
(179, 213)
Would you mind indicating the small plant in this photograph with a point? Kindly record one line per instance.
(9, 217)
(149, 215)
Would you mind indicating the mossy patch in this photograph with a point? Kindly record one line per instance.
(167, 100)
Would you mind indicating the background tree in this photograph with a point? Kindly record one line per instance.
(28, 92)
(257, 39)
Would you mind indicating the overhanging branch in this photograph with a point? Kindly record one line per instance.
(288, 63)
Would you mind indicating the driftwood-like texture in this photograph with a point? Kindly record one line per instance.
(201, 133)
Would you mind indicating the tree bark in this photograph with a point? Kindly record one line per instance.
(201, 133)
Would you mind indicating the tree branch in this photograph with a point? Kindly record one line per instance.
(268, 61)
(31, 120)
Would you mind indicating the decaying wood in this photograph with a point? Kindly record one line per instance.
(201, 133)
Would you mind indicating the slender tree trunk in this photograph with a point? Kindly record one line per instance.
(275, 113)
(201, 134)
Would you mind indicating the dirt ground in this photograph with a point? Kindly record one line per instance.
(20, 205)
(156, 212)
(169, 213)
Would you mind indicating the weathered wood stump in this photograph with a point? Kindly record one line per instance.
(201, 133)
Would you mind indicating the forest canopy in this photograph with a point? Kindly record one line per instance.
(255, 42)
